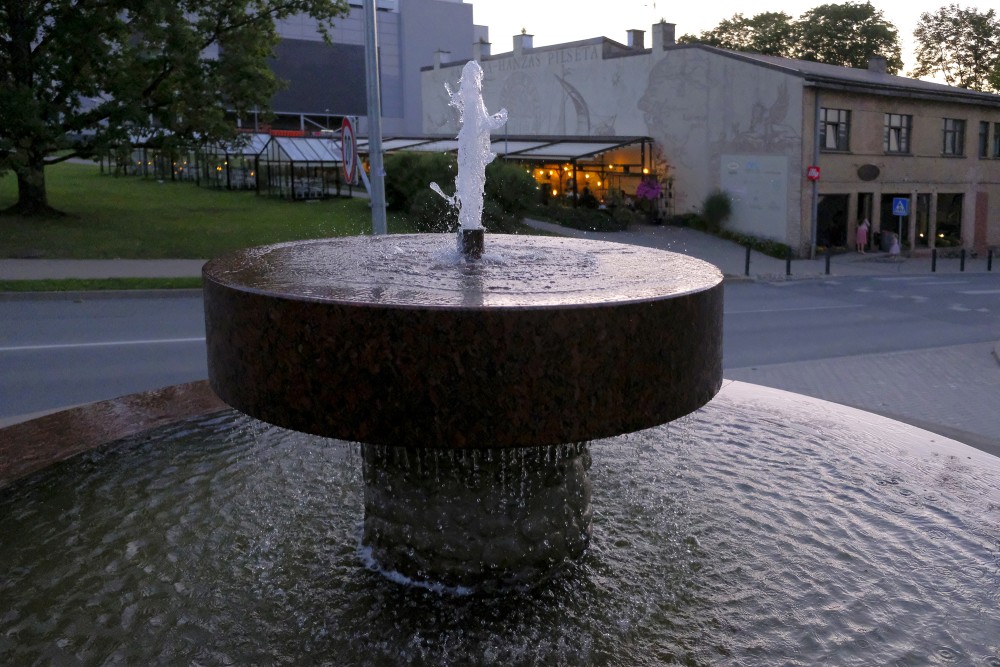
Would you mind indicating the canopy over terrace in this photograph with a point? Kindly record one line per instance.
(560, 164)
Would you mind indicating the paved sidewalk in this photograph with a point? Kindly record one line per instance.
(730, 257)
(56, 269)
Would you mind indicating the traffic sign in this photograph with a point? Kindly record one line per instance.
(901, 206)
(812, 173)
(349, 150)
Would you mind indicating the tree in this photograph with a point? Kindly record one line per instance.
(76, 76)
(767, 33)
(960, 44)
(848, 34)
(845, 34)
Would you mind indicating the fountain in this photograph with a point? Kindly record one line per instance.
(516, 474)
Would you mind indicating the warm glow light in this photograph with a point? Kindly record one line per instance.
(555, 192)
(587, 176)
(940, 236)
(645, 170)
(598, 184)
(550, 172)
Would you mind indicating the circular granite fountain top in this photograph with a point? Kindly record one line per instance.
(426, 271)
(399, 340)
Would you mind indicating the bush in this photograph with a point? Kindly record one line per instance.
(586, 219)
(512, 188)
(409, 173)
(509, 191)
(716, 209)
(431, 213)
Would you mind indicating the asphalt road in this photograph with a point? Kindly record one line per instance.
(771, 323)
(60, 352)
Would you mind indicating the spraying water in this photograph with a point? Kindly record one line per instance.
(473, 146)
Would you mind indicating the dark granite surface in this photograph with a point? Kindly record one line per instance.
(397, 341)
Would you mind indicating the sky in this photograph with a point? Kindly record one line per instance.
(558, 21)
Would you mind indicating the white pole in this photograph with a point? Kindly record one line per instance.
(379, 225)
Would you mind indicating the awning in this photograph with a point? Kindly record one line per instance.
(538, 149)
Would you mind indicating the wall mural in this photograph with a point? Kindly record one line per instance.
(702, 109)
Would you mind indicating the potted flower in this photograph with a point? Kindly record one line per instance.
(647, 195)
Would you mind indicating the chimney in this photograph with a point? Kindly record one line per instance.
(480, 50)
(636, 39)
(440, 58)
(522, 42)
(877, 64)
(663, 35)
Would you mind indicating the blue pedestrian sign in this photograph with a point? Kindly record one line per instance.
(901, 206)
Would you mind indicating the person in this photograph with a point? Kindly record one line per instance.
(862, 237)
(894, 248)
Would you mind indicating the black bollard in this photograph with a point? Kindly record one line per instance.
(961, 263)
(989, 260)
(746, 270)
(828, 254)
(788, 262)
(933, 260)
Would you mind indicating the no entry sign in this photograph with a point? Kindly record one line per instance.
(812, 173)
(349, 147)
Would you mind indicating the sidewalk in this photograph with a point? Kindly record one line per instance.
(730, 257)
(58, 269)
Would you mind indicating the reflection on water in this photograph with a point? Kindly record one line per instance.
(741, 534)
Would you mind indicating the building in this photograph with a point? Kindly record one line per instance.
(326, 81)
(753, 125)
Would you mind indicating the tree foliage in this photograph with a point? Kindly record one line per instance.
(960, 44)
(79, 75)
(846, 34)
(768, 33)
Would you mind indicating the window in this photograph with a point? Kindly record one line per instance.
(896, 135)
(954, 137)
(984, 139)
(834, 129)
(996, 140)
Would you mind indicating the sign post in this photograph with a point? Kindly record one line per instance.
(900, 209)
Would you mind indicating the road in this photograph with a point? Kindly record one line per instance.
(912, 347)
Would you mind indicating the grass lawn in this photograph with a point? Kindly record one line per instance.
(134, 218)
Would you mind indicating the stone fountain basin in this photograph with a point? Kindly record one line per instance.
(398, 340)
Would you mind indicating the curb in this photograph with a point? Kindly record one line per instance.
(996, 352)
(83, 295)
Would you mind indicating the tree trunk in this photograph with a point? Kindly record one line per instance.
(32, 198)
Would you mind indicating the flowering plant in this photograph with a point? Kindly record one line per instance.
(649, 188)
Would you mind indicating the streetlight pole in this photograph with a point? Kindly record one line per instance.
(379, 225)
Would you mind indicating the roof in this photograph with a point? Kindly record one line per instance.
(857, 79)
(307, 149)
(524, 147)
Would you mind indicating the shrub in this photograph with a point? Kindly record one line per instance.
(586, 219)
(716, 209)
(409, 173)
(431, 213)
(513, 189)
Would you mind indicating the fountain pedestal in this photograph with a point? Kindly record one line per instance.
(483, 519)
(400, 342)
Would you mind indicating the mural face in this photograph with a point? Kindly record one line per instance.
(675, 106)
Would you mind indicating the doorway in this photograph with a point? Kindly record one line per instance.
(831, 221)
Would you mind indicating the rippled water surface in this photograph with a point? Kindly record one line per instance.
(738, 535)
